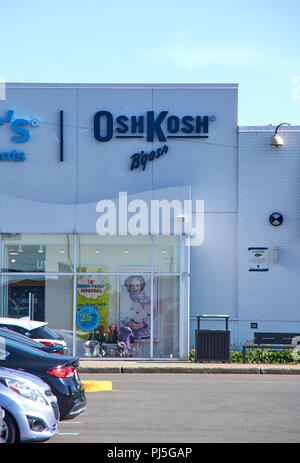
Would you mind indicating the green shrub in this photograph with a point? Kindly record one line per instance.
(261, 356)
(266, 356)
(269, 356)
(192, 355)
(236, 356)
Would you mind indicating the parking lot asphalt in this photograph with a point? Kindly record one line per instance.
(130, 366)
(186, 408)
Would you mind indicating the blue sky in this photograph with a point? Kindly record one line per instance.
(252, 43)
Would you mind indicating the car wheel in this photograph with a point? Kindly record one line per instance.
(10, 432)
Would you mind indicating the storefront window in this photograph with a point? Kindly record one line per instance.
(127, 291)
(37, 253)
(114, 254)
(120, 307)
(167, 300)
(166, 254)
(42, 298)
(113, 315)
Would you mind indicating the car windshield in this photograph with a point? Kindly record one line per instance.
(43, 332)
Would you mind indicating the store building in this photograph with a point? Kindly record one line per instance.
(141, 206)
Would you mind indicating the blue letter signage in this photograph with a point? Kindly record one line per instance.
(22, 134)
(161, 126)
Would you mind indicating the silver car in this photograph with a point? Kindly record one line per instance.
(30, 409)
(1, 418)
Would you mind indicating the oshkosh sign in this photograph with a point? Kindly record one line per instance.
(160, 126)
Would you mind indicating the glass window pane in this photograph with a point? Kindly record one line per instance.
(166, 304)
(113, 316)
(166, 254)
(114, 254)
(41, 298)
(37, 253)
(135, 310)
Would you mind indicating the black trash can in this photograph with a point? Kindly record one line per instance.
(212, 345)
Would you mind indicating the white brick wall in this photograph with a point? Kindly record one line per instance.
(269, 181)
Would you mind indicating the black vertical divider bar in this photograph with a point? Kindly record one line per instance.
(61, 121)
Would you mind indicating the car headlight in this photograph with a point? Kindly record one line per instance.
(23, 389)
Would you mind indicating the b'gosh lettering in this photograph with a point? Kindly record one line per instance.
(141, 159)
(151, 124)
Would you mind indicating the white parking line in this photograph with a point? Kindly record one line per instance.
(69, 433)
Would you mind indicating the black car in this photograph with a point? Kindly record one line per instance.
(53, 349)
(58, 371)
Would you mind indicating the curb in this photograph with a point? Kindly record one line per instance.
(128, 367)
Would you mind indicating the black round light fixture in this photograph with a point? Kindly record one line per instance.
(276, 219)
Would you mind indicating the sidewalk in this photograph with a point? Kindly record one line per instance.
(129, 366)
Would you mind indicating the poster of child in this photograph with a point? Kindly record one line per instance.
(135, 306)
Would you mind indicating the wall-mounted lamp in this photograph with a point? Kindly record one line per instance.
(277, 140)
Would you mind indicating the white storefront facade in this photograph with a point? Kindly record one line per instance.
(141, 206)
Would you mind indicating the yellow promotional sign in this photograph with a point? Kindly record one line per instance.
(92, 291)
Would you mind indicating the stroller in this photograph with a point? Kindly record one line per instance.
(125, 340)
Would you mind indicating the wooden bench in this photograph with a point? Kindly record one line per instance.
(276, 341)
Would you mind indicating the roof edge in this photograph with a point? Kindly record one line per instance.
(120, 85)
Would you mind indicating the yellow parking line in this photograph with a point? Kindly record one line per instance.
(97, 385)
